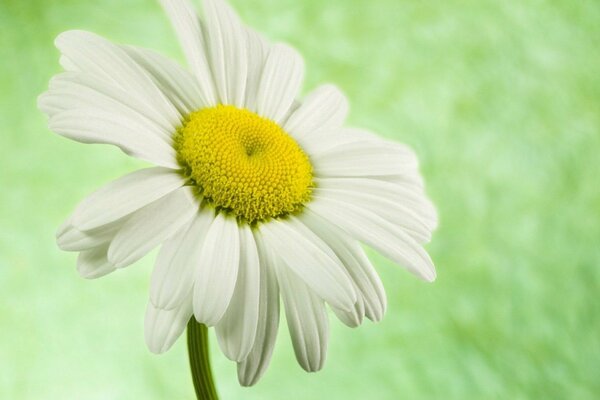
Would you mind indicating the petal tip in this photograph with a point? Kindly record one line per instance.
(430, 275)
(117, 260)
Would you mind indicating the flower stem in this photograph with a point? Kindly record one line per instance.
(197, 340)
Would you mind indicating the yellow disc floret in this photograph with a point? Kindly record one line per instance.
(243, 163)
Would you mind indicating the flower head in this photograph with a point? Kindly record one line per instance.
(256, 194)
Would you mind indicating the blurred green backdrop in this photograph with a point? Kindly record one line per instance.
(500, 99)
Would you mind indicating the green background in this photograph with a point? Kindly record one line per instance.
(501, 101)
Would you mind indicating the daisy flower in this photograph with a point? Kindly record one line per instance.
(255, 195)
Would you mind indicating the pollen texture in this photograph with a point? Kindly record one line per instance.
(244, 163)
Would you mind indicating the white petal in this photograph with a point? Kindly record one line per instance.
(152, 225)
(217, 273)
(402, 151)
(371, 286)
(393, 212)
(173, 275)
(354, 317)
(325, 108)
(311, 259)
(189, 32)
(378, 233)
(163, 327)
(367, 281)
(76, 90)
(93, 263)
(69, 238)
(90, 125)
(226, 40)
(343, 139)
(409, 180)
(306, 318)
(95, 55)
(124, 196)
(178, 85)
(411, 197)
(236, 331)
(280, 82)
(67, 64)
(258, 49)
(69, 94)
(254, 366)
(356, 159)
(351, 135)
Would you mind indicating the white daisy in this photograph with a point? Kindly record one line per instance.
(255, 193)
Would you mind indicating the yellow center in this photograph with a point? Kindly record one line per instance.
(243, 163)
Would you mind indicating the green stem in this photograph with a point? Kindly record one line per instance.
(197, 340)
